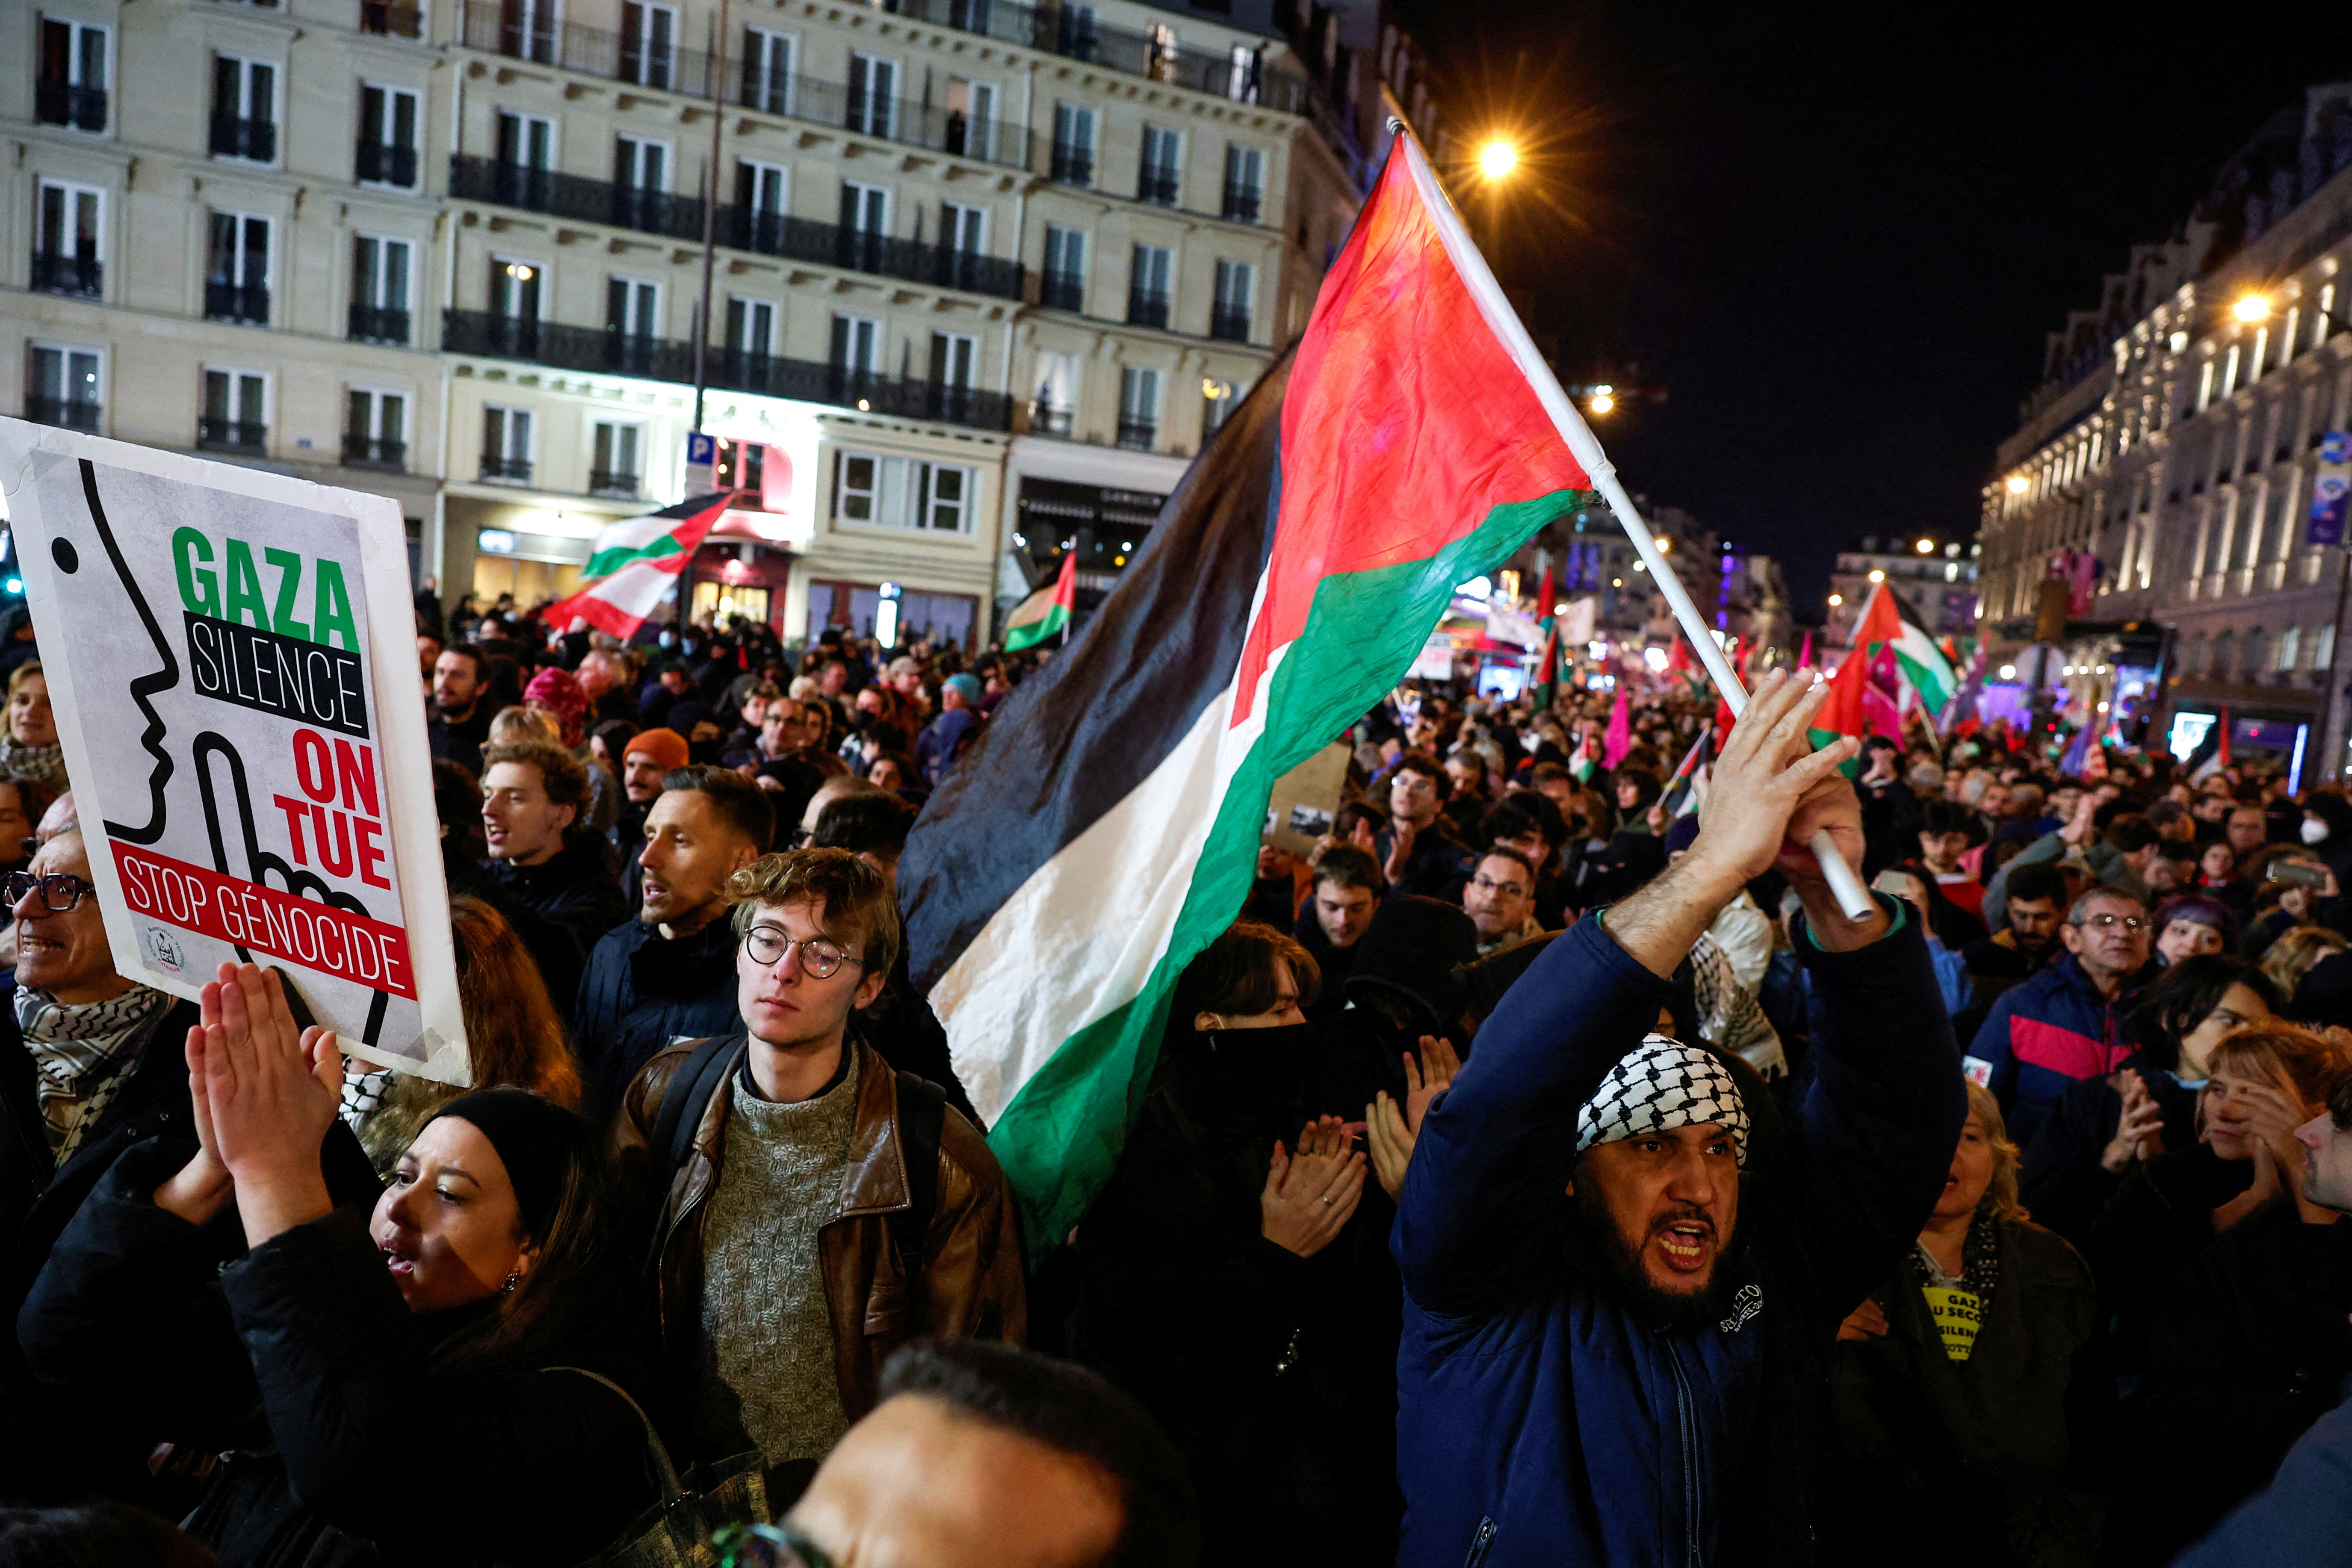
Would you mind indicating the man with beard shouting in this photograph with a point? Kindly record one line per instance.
(1608, 1357)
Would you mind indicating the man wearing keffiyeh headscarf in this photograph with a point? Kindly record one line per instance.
(1636, 1376)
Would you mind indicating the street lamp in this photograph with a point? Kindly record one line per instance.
(1926, 547)
(1601, 403)
(2252, 307)
(1835, 600)
(2017, 485)
(1496, 159)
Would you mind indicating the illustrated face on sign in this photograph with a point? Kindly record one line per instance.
(521, 823)
(30, 722)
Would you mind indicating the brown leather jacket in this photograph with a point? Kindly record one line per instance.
(972, 1285)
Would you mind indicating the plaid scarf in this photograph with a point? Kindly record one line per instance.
(1979, 1258)
(82, 1056)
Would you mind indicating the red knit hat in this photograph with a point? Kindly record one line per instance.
(666, 747)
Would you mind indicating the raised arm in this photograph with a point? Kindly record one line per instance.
(1492, 1164)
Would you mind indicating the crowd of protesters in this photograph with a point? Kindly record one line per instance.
(1543, 1168)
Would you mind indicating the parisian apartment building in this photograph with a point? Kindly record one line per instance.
(955, 286)
(2151, 519)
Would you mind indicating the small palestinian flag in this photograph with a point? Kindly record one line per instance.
(636, 564)
(1106, 828)
(1046, 611)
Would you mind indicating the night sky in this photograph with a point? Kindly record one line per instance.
(1839, 246)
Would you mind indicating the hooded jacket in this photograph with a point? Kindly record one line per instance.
(1544, 1419)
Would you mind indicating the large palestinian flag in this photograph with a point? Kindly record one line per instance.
(637, 563)
(1107, 826)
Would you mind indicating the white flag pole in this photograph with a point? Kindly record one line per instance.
(1852, 895)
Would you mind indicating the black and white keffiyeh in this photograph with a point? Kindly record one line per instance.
(79, 1056)
(1663, 1084)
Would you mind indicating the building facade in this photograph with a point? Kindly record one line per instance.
(2152, 520)
(952, 287)
(1937, 578)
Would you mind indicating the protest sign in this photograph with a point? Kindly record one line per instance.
(231, 655)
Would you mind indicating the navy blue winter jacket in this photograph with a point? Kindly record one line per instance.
(1542, 1418)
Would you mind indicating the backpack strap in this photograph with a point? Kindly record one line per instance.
(664, 1470)
(922, 1118)
(683, 1102)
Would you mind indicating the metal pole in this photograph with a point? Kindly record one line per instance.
(1852, 898)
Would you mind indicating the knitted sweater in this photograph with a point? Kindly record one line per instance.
(767, 1379)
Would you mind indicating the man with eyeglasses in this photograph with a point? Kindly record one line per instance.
(807, 1210)
(2064, 1024)
(91, 1066)
(1501, 901)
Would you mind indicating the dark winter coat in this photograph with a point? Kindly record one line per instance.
(2050, 1033)
(2016, 1429)
(2159, 1220)
(363, 1453)
(578, 887)
(1544, 1419)
(643, 991)
(1273, 1374)
(2062, 1180)
(2250, 1348)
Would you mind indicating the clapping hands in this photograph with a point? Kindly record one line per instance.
(1310, 1196)
(265, 1095)
(1393, 1132)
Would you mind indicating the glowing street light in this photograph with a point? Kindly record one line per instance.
(1926, 547)
(1496, 159)
(1601, 403)
(2252, 307)
(1835, 600)
(2017, 486)
(1877, 576)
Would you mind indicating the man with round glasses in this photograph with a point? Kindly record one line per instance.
(809, 1210)
(2064, 1024)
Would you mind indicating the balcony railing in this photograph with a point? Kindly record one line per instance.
(244, 435)
(1147, 308)
(70, 414)
(1137, 435)
(1044, 419)
(610, 482)
(1242, 203)
(515, 470)
(1072, 33)
(478, 179)
(361, 451)
(1230, 322)
(1073, 165)
(381, 165)
(70, 103)
(391, 20)
(810, 240)
(1159, 185)
(906, 119)
(236, 138)
(662, 359)
(377, 324)
(56, 274)
(1062, 291)
(246, 304)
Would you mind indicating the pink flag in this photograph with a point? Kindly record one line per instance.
(1620, 738)
(1805, 654)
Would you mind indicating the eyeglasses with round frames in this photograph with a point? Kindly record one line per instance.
(768, 944)
(2109, 922)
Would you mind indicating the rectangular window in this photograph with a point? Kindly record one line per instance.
(903, 492)
(648, 44)
(514, 289)
(70, 89)
(952, 359)
(505, 443)
(857, 345)
(392, 18)
(752, 327)
(1217, 401)
(236, 416)
(1138, 407)
(1055, 404)
(375, 429)
(873, 95)
(387, 150)
(972, 118)
(67, 244)
(527, 30)
(1147, 286)
(763, 195)
(1244, 74)
(61, 387)
(1229, 316)
(380, 269)
(1245, 184)
(963, 229)
(245, 110)
(1063, 286)
(615, 469)
(526, 141)
(631, 308)
(1073, 141)
(767, 71)
(1162, 179)
(639, 165)
(236, 279)
(864, 225)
